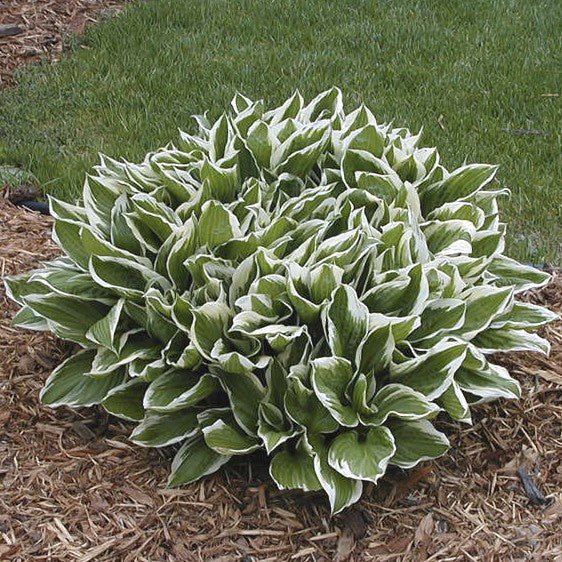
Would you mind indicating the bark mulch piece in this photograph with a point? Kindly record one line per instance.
(73, 487)
(34, 29)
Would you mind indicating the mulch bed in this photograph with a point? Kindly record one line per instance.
(31, 30)
(73, 487)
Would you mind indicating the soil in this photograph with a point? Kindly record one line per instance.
(73, 487)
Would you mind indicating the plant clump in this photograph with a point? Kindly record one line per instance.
(298, 280)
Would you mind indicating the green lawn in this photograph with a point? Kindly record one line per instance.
(465, 70)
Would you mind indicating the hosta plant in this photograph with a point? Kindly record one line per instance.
(300, 280)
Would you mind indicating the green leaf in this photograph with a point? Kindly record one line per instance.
(387, 297)
(245, 393)
(68, 282)
(308, 311)
(299, 163)
(292, 469)
(227, 440)
(510, 273)
(126, 278)
(178, 390)
(160, 218)
(324, 105)
(416, 441)
(99, 196)
(259, 142)
(209, 324)
(374, 353)
(330, 379)
(525, 316)
(218, 136)
(290, 109)
(483, 305)
(70, 385)
(402, 402)
(323, 280)
(126, 400)
(462, 183)
(66, 211)
(438, 317)
(485, 380)
(69, 318)
(431, 373)
(273, 435)
(194, 460)
(304, 408)
(103, 331)
(455, 404)
(342, 491)
(347, 320)
(362, 456)
(95, 244)
(160, 430)
(368, 138)
(131, 346)
(217, 225)
(26, 318)
(492, 341)
(449, 238)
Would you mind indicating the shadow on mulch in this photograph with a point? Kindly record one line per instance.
(72, 487)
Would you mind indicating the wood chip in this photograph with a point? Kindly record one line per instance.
(35, 29)
(10, 30)
(62, 498)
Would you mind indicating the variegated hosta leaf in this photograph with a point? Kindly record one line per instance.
(298, 279)
(161, 429)
(362, 456)
(194, 460)
(294, 468)
(342, 491)
(71, 385)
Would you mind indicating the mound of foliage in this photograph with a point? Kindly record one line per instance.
(299, 280)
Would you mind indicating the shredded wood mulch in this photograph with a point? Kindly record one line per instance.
(31, 30)
(73, 487)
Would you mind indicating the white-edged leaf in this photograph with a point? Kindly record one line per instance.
(511, 273)
(294, 468)
(347, 321)
(341, 491)
(455, 404)
(126, 400)
(524, 316)
(416, 441)
(483, 304)
(194, 460)
(68, 318)
(162, 429)
(210, 322)
(362, 456)
(70, 385)
(330, 378)
(402, 402)
(245, 392)
(431, 373)
(305, 409)
(178, 390)
(217, 225)
(103, 331)
(228, 440)
(492, 341)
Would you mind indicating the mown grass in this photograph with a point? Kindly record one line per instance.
(465, 71)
